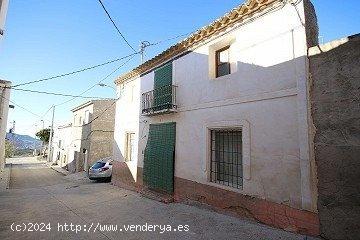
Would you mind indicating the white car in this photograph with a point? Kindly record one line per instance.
(101, 170)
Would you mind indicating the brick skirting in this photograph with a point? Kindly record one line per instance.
(269, 213)
(122, 177)
(224, 201)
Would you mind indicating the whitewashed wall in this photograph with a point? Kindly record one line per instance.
(127, 120)
(267, 91)
(63, 134)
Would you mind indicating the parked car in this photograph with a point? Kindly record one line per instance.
(101, 169)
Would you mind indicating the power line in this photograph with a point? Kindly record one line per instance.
(41, 119)
(103, 79)
(145, 44)
(171, 38)
(77, 71)
(27, 110)
(107, 13)
(56, 94)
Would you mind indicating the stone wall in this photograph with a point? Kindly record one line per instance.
(335, 102)
(102, 130)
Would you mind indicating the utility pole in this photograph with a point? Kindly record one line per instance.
(51, 134)
(143, 45)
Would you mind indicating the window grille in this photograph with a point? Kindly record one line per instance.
(226, 158)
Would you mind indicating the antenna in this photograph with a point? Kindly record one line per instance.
(143, 46)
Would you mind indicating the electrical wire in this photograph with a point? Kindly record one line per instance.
(77, 71)
(27, 110)
(122, 36)
(56, 94)
(102, 80)
(171, 38)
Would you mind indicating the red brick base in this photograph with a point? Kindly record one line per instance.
(269, 213)
(224, 201)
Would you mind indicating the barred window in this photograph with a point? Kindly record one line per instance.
(226, 157)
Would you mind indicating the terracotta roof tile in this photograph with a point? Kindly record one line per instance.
(236, 15)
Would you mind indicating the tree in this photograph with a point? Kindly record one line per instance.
(9, 149)
(44, 135)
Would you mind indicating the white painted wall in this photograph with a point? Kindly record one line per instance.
(267, 89)
(63, 134)
(127, 120)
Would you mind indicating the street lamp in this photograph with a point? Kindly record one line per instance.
(105, 85)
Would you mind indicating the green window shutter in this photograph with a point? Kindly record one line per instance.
(163, 76)
(159, 157)
(163, 87)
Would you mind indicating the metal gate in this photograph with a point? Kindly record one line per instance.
(159, 157)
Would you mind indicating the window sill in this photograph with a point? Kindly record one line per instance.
(225, 77)
(228, 188)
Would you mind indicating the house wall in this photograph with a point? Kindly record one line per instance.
(61, 153)
(335, 95)
(266, 95)
(4, 109)
(126, 120)
(267, 91)
(80, 139)
(102, 135)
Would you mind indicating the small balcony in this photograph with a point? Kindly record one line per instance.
(159, 101)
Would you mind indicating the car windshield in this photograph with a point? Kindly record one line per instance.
(98, 165)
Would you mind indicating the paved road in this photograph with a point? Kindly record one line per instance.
(27, 173)
(47, 200)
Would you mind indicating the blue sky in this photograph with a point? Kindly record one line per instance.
(45, 38)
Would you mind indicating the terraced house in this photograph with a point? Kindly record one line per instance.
(222, 117)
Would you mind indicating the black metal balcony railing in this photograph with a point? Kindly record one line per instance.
(159, 100)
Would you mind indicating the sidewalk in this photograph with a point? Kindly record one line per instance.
(58, 169)
(77, 176)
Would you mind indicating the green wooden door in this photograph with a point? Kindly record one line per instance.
(159, 157)
(163, 87)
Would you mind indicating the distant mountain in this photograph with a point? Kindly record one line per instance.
(23, 141)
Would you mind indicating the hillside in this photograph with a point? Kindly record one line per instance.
(23, 141)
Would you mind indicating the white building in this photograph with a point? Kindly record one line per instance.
(61, 144)
(222, 117)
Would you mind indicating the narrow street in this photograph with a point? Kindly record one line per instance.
(26, 173)
(45, 202)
